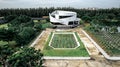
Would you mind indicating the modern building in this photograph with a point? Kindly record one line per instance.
(66, 18)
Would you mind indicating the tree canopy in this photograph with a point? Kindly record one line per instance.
(26, 57)
(20, 57)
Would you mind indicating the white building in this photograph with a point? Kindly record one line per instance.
(66, 18)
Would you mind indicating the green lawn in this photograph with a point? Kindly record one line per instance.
(3, 42)
(39, 21)
(78, 52)
(12, 43)
(3, 25)
(46, 25)
(63, 41)
(35, 21)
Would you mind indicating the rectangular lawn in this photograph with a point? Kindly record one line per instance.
(63, 41)
(78, 52)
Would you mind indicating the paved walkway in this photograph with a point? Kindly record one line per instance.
(43, 39)
(97, 60)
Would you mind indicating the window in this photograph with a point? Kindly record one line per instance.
(70, 23)
(53, 16)
(64, 17)
(56, 23)
(75, 22)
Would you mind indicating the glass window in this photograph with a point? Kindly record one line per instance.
(70, 23)
(75, 22)
(53, 16)
(64, 17)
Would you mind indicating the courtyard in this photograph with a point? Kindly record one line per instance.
(97, 59)
(64, 44)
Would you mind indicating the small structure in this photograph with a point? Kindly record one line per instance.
(2, 20)
(64, 18)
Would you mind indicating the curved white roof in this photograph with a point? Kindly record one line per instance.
(60, 12)
(63, 17)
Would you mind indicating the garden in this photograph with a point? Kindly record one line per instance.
(106, 34)
(64, 41)
(109, 42)
(15, 36)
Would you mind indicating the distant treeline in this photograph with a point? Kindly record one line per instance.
(39, 12)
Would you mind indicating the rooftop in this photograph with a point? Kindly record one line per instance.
(63, 12)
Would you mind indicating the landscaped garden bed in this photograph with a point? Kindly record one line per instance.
(109, 42)
(65, 43)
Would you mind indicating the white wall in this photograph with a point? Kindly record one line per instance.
(63, 20)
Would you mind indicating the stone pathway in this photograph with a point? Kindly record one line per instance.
(89, 45)
(97, 60)
(43, 39)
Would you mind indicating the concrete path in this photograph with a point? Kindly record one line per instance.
(43, 39)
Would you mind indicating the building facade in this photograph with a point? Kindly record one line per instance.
(66, 18)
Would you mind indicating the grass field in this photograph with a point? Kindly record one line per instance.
(35, 21)
(78, 52)
(39, 21)
(3, 25)
(63, 41)
(46, 25)
(3, 42)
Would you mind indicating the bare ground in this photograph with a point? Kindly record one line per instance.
(97, 59)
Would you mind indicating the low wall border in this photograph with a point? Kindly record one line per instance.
(66, 58)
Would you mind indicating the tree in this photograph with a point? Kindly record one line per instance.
(23, 18)
(81, 22)
(5, 52)
(38, 26)
(24, 36)
(86, 18)
(3, 34)
(26, 57)
(28, 24)
(111, 16)
(23, 28)
(114, 29)
(6, 34)
(10, 17)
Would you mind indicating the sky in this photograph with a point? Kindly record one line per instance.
(59, 3)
